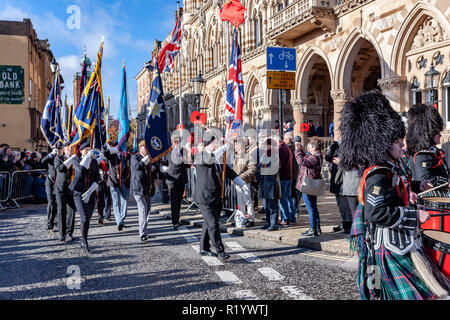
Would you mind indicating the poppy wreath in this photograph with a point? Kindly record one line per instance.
(197, 117)
(304, 127)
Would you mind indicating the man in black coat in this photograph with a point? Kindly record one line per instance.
(85, 182)
(48, 162)
(175, 166)
(64, 196)
(141, 186)
(208, 193)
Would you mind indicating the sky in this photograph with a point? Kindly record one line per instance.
(129, 28)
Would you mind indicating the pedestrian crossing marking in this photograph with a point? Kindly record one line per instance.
(245, 295)
(271, 274)
(295, 293)
(250, 257)
(228, 277)
(211, 261)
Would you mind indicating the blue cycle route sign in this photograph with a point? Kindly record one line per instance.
(281, 59)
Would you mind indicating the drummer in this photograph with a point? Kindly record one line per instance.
(424, 133)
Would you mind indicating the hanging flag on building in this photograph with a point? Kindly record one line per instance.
(91, 106)
(167, 55)
(51, 118)
(235, 90)
(157, 138)
(233, 11)
(124, 121)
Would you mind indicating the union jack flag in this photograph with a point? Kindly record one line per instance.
(235, 90)
(170, 50)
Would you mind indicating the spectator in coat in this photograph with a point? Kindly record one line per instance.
(312, 129)
(319, 129)
(286, 202)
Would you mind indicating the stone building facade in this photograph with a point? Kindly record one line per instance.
(22, 50)
(343, 48)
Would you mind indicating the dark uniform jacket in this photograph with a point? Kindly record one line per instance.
(332, 152)
(392, 221)
(83, 177)
(48, 161)
(177, 167)
(209, 175)
(140, 176)
(63, 175)
(114, 170)
(428, 165)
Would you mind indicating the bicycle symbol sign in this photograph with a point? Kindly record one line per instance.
(281, 59)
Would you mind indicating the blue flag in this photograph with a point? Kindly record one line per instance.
(89, 109)
(51, 125)
(135, 145)
(157, 138)
(124, 121)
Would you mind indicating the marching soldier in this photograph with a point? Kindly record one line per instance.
(424, 133)
(48, 161)
(64, 196)
(176, 168)
(140, 187)
(103, 193)
(85, 182)
(208, 194)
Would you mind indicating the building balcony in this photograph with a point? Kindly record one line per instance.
(302, 17)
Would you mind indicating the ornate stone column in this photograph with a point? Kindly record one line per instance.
(299, 116)
(394, 90)
(339, 97)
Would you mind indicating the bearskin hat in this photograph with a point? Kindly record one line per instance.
(424, 122)
(369, 126)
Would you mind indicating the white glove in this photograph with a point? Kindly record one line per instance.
(239, 182)
(145, 160)
(54, 152)
(87, 195)
(69, 162)
(100, 158)
(219, 152)
(86, 160)
(113, 150)
(164, 169)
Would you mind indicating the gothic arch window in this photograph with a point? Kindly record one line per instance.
(257, 29)
(416, 92)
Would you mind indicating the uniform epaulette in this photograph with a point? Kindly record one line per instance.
(375, 168)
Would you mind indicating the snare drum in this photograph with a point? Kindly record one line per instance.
(437, 246)
(441, 219)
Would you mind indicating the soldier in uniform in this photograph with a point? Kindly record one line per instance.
(175, 166)
(208, 193)
(103, 194)
(386, 220)
(48, 161)
(64, 196)
(141, 186)
(427, 161)
(85, 182)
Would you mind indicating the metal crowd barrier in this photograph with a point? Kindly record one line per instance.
(25, 184)
(5, 180)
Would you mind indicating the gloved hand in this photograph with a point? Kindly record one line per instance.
(54, 152)
(87, 195)
(86, 160)
(90, 154)
(113, 150)
(145, 160)
(164, 169)
(69, 162)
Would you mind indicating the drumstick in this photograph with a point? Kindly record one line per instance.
(436, 209)
(426, 191)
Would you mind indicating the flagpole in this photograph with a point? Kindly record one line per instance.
(179, 67)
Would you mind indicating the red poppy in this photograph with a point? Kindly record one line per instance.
(180, 127)
(304, 127)
(197, 117)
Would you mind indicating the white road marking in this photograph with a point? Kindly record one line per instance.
(189, 238)
(250, 257)
(271, 274)
(211, 261)
(228, 277)
(245, 295)
(295, 293)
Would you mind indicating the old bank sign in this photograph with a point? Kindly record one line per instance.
(12, 85)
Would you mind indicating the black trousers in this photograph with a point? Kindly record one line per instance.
(51, 203)
(176, 195)
(66, 214)
(84, 209)
(210, 229)
(104, 202)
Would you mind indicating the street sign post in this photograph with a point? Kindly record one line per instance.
(281, 67)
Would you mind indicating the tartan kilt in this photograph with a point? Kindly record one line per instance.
(398, 279)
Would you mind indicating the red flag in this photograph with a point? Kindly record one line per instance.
(232, 11)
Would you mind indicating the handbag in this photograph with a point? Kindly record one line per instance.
(313, 187)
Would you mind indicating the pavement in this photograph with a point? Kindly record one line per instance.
(329, 241)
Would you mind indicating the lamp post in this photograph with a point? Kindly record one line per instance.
(54, 65)
(431, 80)
(198, 85)
(303, 109)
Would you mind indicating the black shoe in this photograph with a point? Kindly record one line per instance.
(272, 228)
(63, 238)
(249, 224)
(120, 227)
(100, 221)
(223, 256)
(310, 232)
(338, 228)
(265, 226)
(109, 219)
(85, 247)
(207, 253)
(144, 238)
(50, 227)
